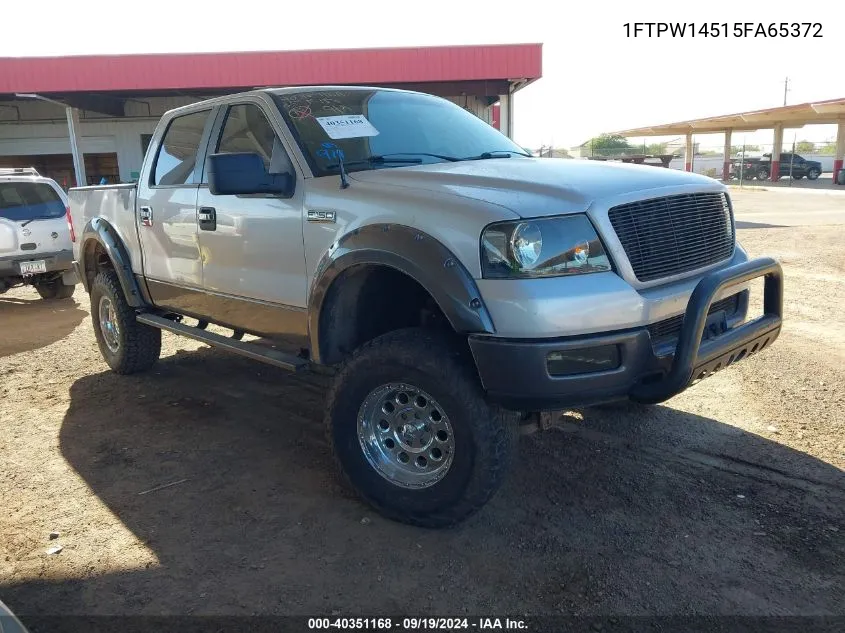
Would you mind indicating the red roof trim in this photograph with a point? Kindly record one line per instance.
(100, 73)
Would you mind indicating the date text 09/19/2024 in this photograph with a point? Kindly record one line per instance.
(723, 29)
(418, 624)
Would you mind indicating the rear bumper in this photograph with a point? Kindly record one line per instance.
(56, 261)
(516, 373)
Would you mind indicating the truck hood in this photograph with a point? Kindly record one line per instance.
(532, 187)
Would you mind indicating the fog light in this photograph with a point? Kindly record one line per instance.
(583, 361)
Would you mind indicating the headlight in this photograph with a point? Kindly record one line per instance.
(547, 247)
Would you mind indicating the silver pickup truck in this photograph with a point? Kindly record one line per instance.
(453, 285)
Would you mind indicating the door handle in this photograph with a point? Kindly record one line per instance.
(207, 217)
(146, 215)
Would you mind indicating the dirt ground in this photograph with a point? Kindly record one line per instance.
(728, 499)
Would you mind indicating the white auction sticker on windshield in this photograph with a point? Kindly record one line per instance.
(347, 126)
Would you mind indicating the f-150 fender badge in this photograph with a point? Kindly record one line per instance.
(321, 216)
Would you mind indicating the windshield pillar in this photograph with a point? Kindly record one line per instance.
(506, 115)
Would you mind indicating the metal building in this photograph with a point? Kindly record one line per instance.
(109, 104)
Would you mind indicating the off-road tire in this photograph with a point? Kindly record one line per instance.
(485, 436)
(139, 345)
(54, 289)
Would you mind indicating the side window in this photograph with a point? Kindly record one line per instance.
(246, 129)
(177, 154)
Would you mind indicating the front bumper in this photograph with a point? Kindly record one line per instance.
(515, 372)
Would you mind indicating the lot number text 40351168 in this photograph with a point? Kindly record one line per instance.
(723, 29)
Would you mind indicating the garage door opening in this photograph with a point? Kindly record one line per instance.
(59, 167)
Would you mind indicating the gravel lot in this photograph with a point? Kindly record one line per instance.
(729, 499)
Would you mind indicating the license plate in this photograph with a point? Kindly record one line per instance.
(30, 268)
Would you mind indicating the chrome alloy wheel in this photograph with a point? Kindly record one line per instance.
(406, 435)
(108, 324)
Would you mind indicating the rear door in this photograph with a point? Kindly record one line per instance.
(166, 211)
(787, 159)
(253, 254)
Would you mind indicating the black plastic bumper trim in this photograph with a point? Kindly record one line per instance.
(514, 372)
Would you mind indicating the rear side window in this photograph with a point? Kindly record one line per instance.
(29, 200)
(177, 154)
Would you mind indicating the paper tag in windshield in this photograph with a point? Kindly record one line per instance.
(347, 126)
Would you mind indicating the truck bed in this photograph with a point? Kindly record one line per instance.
(113, 203)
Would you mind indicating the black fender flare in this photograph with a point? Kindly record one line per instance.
(102, 232)
(412, 252)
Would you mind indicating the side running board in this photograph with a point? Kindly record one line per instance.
(250, 350)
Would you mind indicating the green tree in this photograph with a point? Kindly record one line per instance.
(656, 149)
(805, 147)
(827, 148)
(608, 145)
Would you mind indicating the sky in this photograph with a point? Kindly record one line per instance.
(595, 79)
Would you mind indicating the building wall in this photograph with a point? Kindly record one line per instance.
(477, 105)
(38, 127)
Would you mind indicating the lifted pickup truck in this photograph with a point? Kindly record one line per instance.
(452, 284)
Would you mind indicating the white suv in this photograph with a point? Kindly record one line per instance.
(35, 234)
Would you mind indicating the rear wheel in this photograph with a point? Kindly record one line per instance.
(54, 289)
(762, 173)
(126, 345)
(412, 433)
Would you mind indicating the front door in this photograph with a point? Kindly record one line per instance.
(166, 214)
(253, 259)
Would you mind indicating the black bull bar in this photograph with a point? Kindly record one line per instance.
(695, 359)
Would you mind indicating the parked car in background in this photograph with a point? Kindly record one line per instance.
(790, 163)
(35, 234)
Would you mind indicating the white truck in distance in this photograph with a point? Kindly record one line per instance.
(453, 284)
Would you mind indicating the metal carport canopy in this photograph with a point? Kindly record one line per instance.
(819, 112)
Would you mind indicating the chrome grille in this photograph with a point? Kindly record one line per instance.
(675, 234)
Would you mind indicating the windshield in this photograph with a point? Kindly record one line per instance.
(21, 201)
(357, 125)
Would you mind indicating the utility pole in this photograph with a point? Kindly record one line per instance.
(785, 89)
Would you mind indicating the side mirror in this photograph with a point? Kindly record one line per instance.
(244, 173)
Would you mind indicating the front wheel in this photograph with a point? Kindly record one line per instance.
(126, 345)
(412, 433)
(812, 174)
(54, 289)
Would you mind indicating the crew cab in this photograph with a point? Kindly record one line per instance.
(790, 164)
(35, 234)
(453, 285)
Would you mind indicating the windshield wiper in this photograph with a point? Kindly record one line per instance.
(451, 159)
(374, 160)
(498, 153)
(40, 217)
